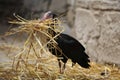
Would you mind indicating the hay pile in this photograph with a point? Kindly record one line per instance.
(29, 59)
(33, 61)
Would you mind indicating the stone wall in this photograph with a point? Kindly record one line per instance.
(37, 7)
(7, 9)
(29, 9)
(97, 26)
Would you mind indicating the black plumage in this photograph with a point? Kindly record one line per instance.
(71, 49)
(67, 48)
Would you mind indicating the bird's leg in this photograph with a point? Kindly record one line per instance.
(63, 68)
(59, 63)
(73, 64)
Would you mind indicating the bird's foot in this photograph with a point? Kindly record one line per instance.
(61, 71)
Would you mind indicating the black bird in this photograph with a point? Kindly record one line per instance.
(70, 48)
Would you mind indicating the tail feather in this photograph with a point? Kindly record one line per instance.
(83, 61)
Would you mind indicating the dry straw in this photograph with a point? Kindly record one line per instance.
(34, 62)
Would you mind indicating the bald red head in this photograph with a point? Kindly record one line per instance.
(48, 15)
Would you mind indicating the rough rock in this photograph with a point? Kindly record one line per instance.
(97, 24)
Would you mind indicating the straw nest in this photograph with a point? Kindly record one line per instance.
(33, 61)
